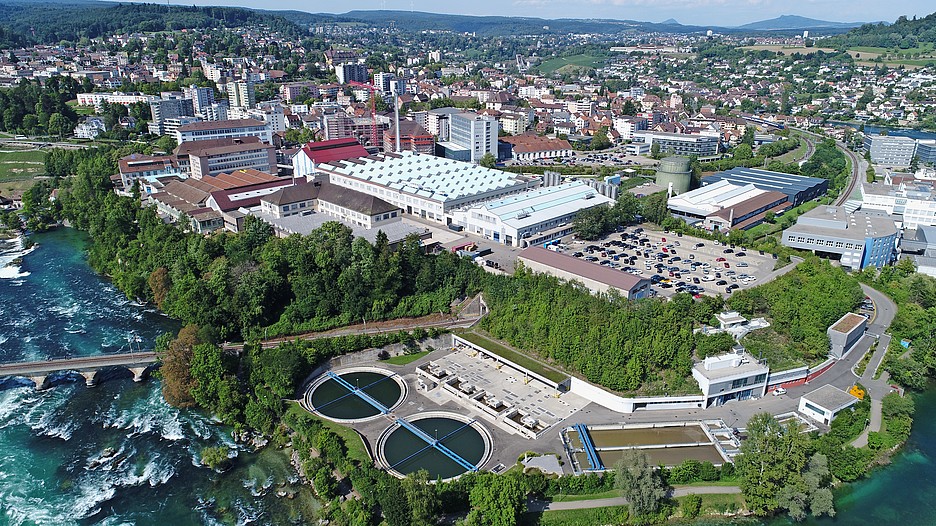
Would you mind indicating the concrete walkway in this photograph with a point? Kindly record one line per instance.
(537, 506)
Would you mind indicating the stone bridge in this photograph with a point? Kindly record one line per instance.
(139, 363)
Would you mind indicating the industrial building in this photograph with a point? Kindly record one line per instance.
(911, 201)
(596, 278)
(534, 147)
(674, 174)
(824, 403)
(890, 150)
(722, 206)
(733, 376)
(920, 245)
(423, 185)
(702, 146)
(857, 240)
(313, 154)
(532, 217)
(845, 333)
(798, 188)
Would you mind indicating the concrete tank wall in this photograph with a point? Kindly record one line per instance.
(675, 170)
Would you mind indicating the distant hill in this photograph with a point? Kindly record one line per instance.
(794, 22)
(671, 22)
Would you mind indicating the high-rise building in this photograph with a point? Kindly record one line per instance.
(478, 133)
(241, 94)
(351, 72)
(202, 98)
(893, 151)
(169, 106)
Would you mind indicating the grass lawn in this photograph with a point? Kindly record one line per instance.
(406, 358)
(718, 504)
(774, 347)
(589, 517)
(353, 441)
(514, 356)
(553, 64)
(18, 168)
(81, 110)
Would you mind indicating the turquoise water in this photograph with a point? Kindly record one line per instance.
(116, 453)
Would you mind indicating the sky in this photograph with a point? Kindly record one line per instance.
(724, 13)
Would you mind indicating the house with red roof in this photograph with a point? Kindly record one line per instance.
(310, 156)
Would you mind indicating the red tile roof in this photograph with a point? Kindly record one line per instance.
(334, 150)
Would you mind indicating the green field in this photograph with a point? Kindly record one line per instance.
(515, 357)
(405, 358)
(587, 517)
(554, 64)
(18, 168)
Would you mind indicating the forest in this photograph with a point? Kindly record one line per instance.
(30, 108)
(51, 23)
(905, 33)
(242, 284)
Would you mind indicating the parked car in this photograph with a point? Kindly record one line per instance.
(719, 260)
(779, 391)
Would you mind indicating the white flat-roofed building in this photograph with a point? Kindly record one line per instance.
(734, 376)
(911, 201)
(824, 403)
(722, 205)
(702, 146)
(517, 219)
(228, 129)
(857, 240)
(423, 185)
(845, 333)
(126, 99)
(890, 150)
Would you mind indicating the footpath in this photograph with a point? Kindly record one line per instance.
(538, 506)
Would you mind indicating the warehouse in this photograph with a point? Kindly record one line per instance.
(722, 206)
(595, 277)
(857, 240)
(797, 188)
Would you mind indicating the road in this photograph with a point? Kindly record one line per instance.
(538, 506)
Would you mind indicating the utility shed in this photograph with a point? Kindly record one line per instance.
(824, 403)
(844, 333)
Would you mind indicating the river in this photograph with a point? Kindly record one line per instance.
(116, 453)
(898, 132)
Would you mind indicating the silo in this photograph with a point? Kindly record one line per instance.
(674, 170)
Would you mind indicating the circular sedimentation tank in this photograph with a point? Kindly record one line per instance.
(333, 399)
(402, 452)
(675, 170)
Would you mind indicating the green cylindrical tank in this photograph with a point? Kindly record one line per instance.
(674, 170)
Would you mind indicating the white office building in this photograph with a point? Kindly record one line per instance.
(476, 132)
(198, 131)
(912, 202)
(890, 150)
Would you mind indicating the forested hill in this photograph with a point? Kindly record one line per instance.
(51, 22)
(904, 34)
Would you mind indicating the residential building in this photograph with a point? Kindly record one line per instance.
(798, 188)
(413, 138)
(857, 240)
(241, 94)
(890, 150)
(351, 73)
(166, 108)
(422, 185)
(125, 99)
(365, 130)
(224, 129)
(202, 99)
(476, 132)
(438, 122)
(90, 128)
(212, 157)
(530, 218)
(596, 278)
(733, 376)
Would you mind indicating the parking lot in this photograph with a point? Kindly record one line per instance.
(676, 263)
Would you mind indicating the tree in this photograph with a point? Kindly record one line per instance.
(772, 458)
(591, 223)
(488, 160)
(639, 483)
(691, 506)
(58, 124)
(625, 209)
(496, 500)
(655, 150)
(422, 498)
(600, 140)
(629, 108)
(177, 381)
(743, 151)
